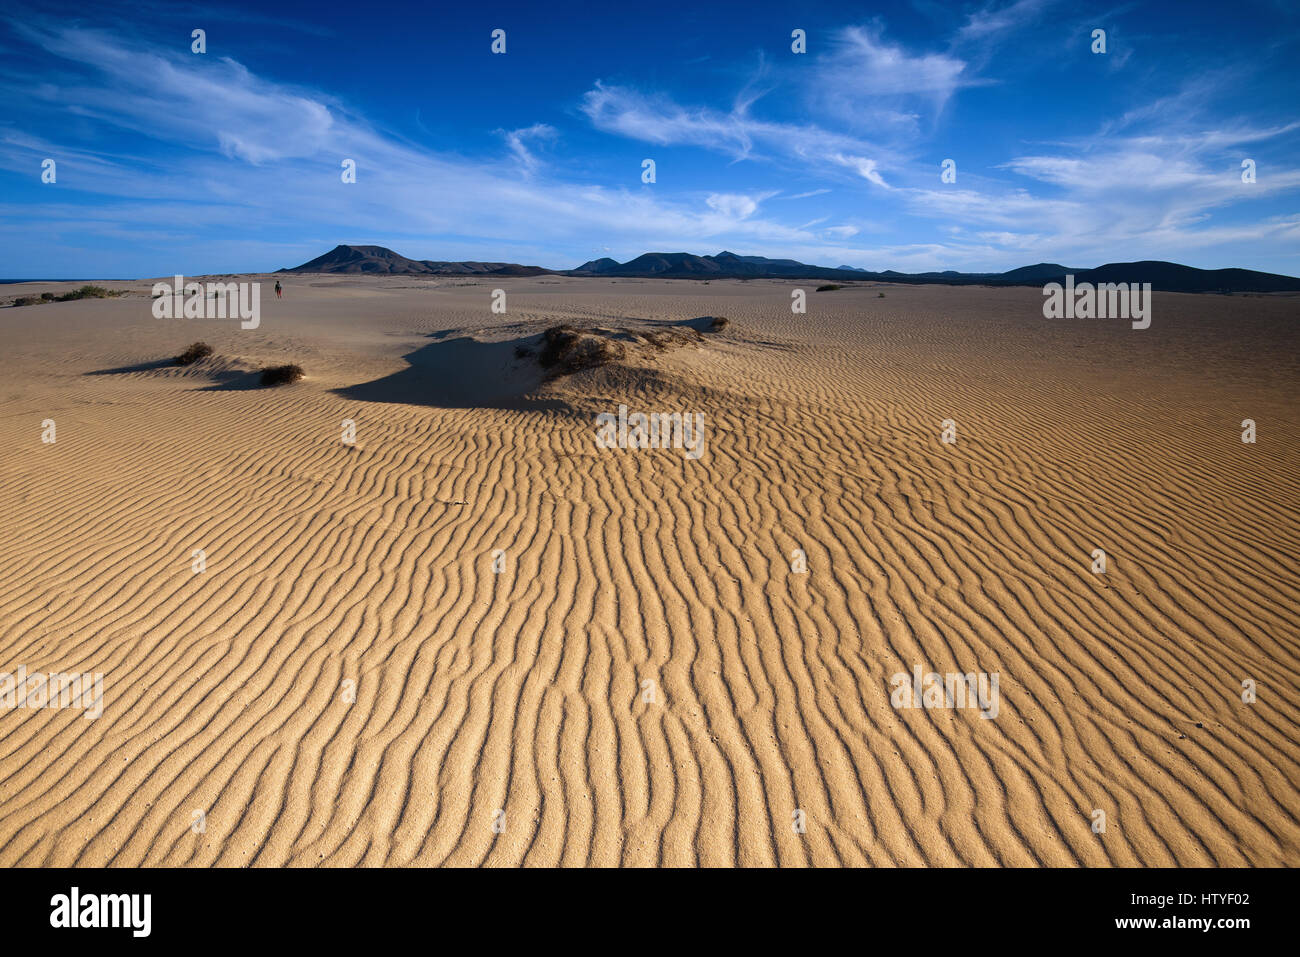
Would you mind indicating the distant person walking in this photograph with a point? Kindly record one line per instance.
(278, 294)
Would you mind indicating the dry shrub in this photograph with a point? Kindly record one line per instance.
(282, 375)
(195, 352)
(566, 350)
(85, 292)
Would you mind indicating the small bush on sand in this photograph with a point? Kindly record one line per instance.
(719, 323)
(880, 295)
(281, 375)
(85, 292)
(566, 350)
(828, 287)
(197, 351)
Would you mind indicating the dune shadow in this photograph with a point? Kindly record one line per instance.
(700, 324)
(150, 366)
(223, 380)
(464, 373)
(234, 380)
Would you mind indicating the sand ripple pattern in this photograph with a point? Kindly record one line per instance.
(500, 717)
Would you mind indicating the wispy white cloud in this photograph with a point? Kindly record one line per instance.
(202, 100)
(735, 205)
(995, 22)
(260, 149)
(220, 152)
(660, 120)
(1140, 197)
(868, 82)
(517, 141)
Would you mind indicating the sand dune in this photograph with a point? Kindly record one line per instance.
(500, 717)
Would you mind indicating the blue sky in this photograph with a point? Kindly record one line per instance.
(170, 161)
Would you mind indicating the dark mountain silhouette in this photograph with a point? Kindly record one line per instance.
(1041, 272)
(361, 259)
(1179, 278)
(1164, 276)
(377, 259)
(667, 264)
(725, 265)
(597, 265)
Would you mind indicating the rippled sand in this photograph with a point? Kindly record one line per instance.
(646, 680)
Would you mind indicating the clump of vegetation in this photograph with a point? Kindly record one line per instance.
(660, 340)
(566, 350)
(282, 375)
(719, 323)
(828, 287)
(85, 292)
(880, 295)
(197, 351)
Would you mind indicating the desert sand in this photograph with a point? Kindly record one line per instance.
(503, 595)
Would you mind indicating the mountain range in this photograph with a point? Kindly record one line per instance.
(377, 259)
(1166, 276)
